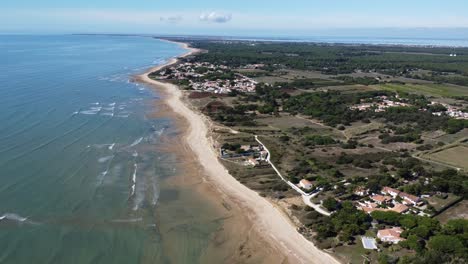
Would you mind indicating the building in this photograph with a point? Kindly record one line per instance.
(391, 235)
(390, 191)
(407, 198)
(399, 208)
(253, 162)
(381, 199)
(361, 191)
(305, 184)
(410, 199)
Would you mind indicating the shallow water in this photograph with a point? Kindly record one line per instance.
(81, 177)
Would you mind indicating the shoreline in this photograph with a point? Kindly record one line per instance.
(269, 221)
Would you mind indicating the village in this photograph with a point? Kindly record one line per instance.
(452, 111)
(382, 103)
(379, 103)
(206, 77)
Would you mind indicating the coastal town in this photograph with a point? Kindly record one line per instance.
(206, 77)
(361, 159)
(237, 132)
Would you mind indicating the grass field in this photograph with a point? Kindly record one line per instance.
(443, 90)
(455, 156)
(439, 203)
(460, 210)
(362, 128)
(355, 254)
(450, 138)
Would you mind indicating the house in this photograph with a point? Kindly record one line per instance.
(410, 199)
(305, 184)
(368, 207)
(252, 161)
(361, 191)
(380, 199)
(391, 235)
(399, 208)
(390, 191)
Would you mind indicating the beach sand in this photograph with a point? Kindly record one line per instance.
(255, 230)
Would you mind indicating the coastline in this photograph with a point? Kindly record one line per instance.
(267, 220)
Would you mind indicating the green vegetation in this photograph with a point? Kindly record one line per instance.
(334, 59)
(345, 223)
(308, 118)
(443, 90)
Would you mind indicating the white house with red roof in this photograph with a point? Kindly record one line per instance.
(391, 235)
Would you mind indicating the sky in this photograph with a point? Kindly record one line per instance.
(235, 17)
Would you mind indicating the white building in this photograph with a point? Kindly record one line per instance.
(391, 235)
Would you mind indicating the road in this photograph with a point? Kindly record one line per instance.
(305, 196)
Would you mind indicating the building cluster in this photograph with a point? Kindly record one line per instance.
(388, 200)
(253, 66)
(252, 155)
(379, 104)
(451, 111)
(197, 76)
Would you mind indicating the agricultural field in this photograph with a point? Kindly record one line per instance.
(362, 128)
(460, 210)
(455, 156)
(442, 90)
(440, 203)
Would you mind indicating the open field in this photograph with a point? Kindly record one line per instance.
(460, 210)
(439, 203)
(362, 128)
(355, 253)
(352, 88)
(450, 138)
(443, 90)
(455, 156)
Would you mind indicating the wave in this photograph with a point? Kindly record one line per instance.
(132, 193)
(131, 220)
(160, 132)
(13, 217)
(108, 114)
(105, 159)
(136, 142)
(111, 146)
(134, 174)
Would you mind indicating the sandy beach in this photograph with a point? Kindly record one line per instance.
(266, 219)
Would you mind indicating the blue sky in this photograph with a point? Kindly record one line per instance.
(235, 17)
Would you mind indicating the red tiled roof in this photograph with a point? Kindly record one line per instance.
(387, 189)
(410, 197)
(380, 198)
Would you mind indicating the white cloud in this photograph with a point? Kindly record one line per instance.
(215, 17)
(171, 19)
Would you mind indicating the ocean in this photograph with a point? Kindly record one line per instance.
(82, 164)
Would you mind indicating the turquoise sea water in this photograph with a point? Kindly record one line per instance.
(79, 171)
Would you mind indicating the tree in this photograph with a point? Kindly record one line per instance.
(330, 204)
(387, 217)
(413, 242)
(408, 221)
(446, 244)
